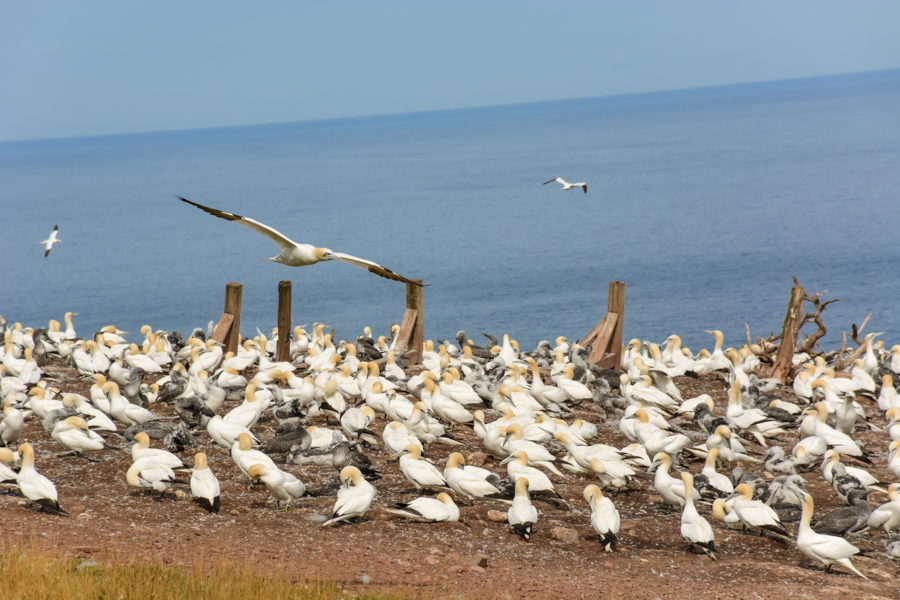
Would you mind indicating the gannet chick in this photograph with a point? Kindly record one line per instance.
(34, 486)
(204, 485)
(428, 510)
(522, 515)
(754, 513)
(353, 499)
(73, 433)
(604, 517)
(826, 549)
(281, 484)
(695, 529)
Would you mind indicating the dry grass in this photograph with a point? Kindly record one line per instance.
(36, 572)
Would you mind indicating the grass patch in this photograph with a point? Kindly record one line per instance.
(36, 573)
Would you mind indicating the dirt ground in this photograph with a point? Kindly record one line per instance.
(475, 558)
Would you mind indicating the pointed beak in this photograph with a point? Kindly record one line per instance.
(508, 459)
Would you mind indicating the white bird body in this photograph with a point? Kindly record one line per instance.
(48, 243)
(244, 456)
(32, 484)
(354, 498)
(397, 437)
(420, 473)
(141, 449)
(300, 255)
(604, 516)
(754, 513)
(568, 186)
(670, 489)
(464, 482)
(73, 433)
(430, 510)
(694, 528)
(282, 485)
(826, 549)
(147, 472)
(226, 434)
(522, 515)
(517, 466)
(124, 411)
(204, 485)
(887, 516)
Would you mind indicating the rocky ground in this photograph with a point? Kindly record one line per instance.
(475, 558)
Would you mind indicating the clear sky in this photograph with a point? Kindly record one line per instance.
(100, 67)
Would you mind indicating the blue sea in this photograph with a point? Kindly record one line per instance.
(704, 201)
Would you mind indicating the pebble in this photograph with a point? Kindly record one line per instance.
(564, 534)
(496, 516)
(476, 459)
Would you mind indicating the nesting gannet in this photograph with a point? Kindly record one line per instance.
(300, 255)
(522, 515)
(204, 485)
(141, 449)
(12, 425)
(151, 475)
(124, 411)
(427, 430)
(420, 473)
(34, 486)
(604, 517)
(428, 510)
(244, 456)
(887, 516)
(568, 186)
(517, 466)
(226, 434)
(467, 483)
(353, 499)
(281, 484)
(754, 513)
(73, 433)
(48, 243)
(826, 549)
(695, 529)
(709, 478)
(670, 489)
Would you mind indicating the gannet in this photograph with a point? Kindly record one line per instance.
(124, 411)
(711, 478)
(353, 499)
(244, 456)
(73, 433)
(428, 510)
(517, 466)
(754, 513)
(396, 437)
(249, 412)
(12, 425)
(420, 473)
(7, 457)
(604, 517)
(717, 360)
(522, 515)
(695, 529)
(150, 474)
(48, 243)
(226, 434)
(427, 430)
(887, 516)
(467, 483)
(300, 255)
(826, 549)
(281, 484)
(568, 186)
(670, 489)
(204, 485)
(538, 456)
(141, 449)
(355, 421)
(34, 486)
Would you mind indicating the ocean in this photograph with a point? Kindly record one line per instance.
(704, 201)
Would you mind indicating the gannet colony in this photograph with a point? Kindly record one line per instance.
(719, 470)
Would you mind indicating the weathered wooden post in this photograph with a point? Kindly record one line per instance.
(412, 328)
(283, 348)
(606, 337)
(228, 331)
(789, 331)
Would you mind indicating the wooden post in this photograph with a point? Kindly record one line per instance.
(283, 348)
(615, 304)
(415, 301)
(789, 331)
(233, 293)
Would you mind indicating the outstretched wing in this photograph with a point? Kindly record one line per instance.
(585, 188)
(283, 242)
(551, 181)
(372, 267)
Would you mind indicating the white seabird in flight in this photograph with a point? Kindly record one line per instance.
(48, 243)
(300, 255)
(566, 184)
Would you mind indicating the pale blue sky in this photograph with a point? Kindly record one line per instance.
(101, 67)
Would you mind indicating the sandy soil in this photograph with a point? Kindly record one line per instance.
(438, 560)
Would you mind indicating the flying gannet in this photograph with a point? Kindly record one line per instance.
(48, 243)
(300, 255)
(567, 185)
